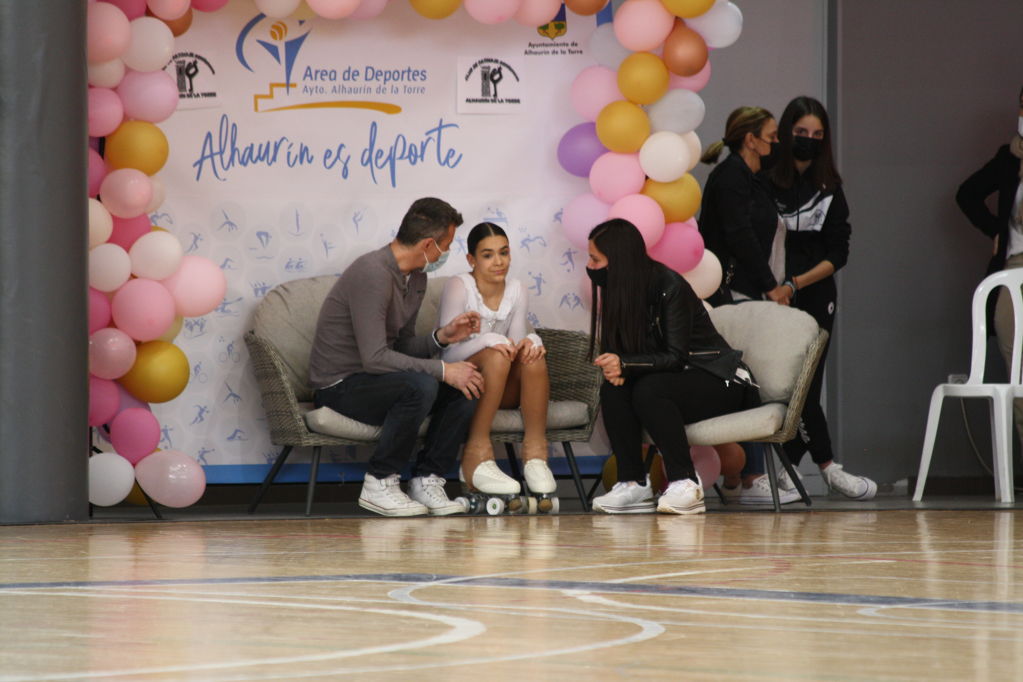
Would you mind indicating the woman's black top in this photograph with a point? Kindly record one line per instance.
(816, 222)
(738, 221)
(1000, 174)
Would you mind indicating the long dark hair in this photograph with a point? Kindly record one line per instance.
(822, 171)
(480, 232)
(622, 304)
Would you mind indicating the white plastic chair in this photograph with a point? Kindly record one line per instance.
(1000, 395)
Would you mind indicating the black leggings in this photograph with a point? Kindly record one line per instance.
(663, 403)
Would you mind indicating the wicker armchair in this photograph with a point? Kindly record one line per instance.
(279, 344)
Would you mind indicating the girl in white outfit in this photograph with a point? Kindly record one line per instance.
(510, 358)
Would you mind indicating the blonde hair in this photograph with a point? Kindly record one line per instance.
(741, 121)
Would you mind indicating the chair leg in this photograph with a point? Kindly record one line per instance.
(278, 463)
(513, 462)
(933, 416)
(593, 489)
(721, 495)
(790, 469)
(1001, 438)
(313, 469)
(772, 478)
(570, 456)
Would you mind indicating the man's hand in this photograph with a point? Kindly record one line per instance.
(528, 352)
(611, 365)
(461, 327)
(465, 377)
(781, 294)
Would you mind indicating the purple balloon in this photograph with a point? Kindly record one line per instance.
(579, 148)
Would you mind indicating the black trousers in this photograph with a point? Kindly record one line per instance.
(819, 300)
(662, 403)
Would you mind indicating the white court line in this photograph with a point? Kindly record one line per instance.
(732, 570)
(876, 612)
(461, 629)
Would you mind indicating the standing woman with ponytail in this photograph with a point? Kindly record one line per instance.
(738, 219)
(808, 191)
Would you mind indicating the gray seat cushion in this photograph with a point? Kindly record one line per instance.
(737, 427)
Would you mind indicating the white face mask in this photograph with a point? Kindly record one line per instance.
(1019, 127)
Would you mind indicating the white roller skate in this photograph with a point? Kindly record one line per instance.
(492, 490)
(540, 487)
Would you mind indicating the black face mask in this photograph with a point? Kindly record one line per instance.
(768, 160)
(806, 148)
(598, 276)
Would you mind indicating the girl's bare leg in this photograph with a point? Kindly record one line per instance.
(494, 366)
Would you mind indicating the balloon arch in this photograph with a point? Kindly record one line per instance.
(636, 146)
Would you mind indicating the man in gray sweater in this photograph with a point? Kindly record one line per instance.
(368, 364)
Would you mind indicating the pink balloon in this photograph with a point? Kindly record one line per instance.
(535, 13)
(644, 213)
(707, 463)
(111, 353)
(579, 218)
(681, 247)
(208, 5)
(168, 9)
(369, 9)
(615, 175)
(143, 309)
(171, 478)
(148, 95)
(126, 192)
(133, 9)
(642, 25)
(695, 83)
(197, 287)
(134, 433)
(491, 11)
(97, 171)
(105, 111)
(128, 230)
(593, 89)
(103, 400)
(99, 310)
(107, 32)
(333, 9)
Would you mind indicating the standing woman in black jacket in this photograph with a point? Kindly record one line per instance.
(808, 192)
(1000, 175)
(664, 365)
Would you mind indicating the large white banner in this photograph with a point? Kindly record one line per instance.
(300, 143)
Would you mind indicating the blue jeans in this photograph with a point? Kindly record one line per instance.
(398, 402)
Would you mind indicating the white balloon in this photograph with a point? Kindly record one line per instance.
(705, 278)
(155, 255)
(679, 111)
(277, 9)
(720, 26)
(606, 49)
(159, 194)
(111, 478)
(101, 224)
(106, 74)
(664, 156)
(151, 46)
(109, 267)
(695, 148)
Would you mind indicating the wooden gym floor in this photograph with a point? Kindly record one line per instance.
(817, 595)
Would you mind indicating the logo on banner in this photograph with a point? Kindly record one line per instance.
(311, 87)
(196, 80)
(556, 27)
(489, 85)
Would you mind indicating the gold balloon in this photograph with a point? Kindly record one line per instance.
(685, 50)
(643, 78)
(658, 482)
(174, 329)
(687, 9)
(160, 372)
(679, 199)
(435, 9)
(177, 26)
(136, 496)
(137, 144)
(586, 7)
(623, 127)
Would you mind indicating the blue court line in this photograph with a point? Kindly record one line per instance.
(583, 586)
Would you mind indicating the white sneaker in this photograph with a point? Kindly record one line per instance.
(731, 495)
(384, 496)
(429, 491)
(626, 497)
(760, 493)
(684, 496)
(489, 479)
(853, 487)
(539, 478)
(785, 483)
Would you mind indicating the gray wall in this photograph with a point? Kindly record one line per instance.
(924, 94)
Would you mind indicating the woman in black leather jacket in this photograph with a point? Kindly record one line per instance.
(664, 365)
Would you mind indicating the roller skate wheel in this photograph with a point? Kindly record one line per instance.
(515, 505)
(464, 501)
(546, 504)
(555, 505)
(531, 504)
(495, 506)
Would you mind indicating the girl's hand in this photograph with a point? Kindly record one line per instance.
(528, 352)
(506, 349)
(611, 365)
